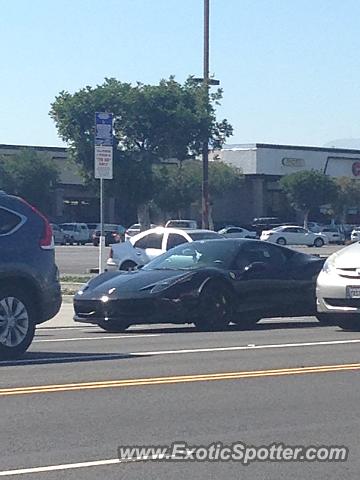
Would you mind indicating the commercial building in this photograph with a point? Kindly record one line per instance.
(264, 164)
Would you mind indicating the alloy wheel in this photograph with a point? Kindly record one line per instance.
(14, 322)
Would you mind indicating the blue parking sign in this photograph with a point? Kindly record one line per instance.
(103, 129)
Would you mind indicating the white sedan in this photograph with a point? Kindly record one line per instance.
(237, 232)
(294, 235)
(355, 234)
(145, 246)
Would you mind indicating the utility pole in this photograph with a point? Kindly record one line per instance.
(205, 148)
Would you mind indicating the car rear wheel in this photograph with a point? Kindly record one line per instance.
(17, 322)
(215, 309)
(281, 241)
(114, 327)
(318, 242)
(128, 266)
(246, 322)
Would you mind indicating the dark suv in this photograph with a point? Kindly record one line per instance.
(29, 278)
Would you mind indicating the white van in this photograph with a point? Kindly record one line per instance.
(75, 233)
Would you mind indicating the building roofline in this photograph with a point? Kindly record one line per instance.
(35, 147)
(253, 146)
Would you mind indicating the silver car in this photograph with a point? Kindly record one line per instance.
(338, 288)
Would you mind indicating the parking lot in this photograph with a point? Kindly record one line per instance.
(77, 260)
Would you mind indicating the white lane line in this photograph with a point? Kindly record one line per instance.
(247, 347)
(65, 466)
(106, 337)
(115, 356)
(70, 466)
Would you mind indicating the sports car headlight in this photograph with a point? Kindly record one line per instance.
(163, 285)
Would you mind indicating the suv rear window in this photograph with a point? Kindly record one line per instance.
(8, 221)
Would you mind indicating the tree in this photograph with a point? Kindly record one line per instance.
(152, 123)
(348, 196)
(308, 190)
(179, 186)
(31, 175)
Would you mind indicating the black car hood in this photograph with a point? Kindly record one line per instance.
(130, 282)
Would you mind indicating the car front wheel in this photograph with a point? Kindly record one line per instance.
(281, 241)
(215, 308)
(17, 322)
(113, 327)
(318, 242)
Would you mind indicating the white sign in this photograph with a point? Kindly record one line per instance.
(104, 162)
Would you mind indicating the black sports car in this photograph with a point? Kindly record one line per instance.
(209, 283)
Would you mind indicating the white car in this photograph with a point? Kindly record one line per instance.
(145, 246)
(58, 234)
(134, 229)
(355, 234)
(75, 233)
(294, 235)
(187, 224)
(338, 288)
(237, 232)
(334, 235)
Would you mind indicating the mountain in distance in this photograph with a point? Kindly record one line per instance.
(352, 143)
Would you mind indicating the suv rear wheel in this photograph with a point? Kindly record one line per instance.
(17, 322)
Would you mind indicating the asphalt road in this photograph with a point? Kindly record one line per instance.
(80, 393)
(75, 260)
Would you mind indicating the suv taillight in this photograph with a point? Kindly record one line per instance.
(47, 240)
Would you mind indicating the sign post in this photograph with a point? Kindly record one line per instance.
(103, 167)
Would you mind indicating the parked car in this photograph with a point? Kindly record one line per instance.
(355, 234)
(333, 234)
(294, 235)
(76, 233)
(265, 223)
(29, 279)
(209, 283)
(145, 246)
(315, 227)
(181, 224)
(91, 227)
(338, 288)
(236, 232)
(113, 234)
(134, 229)
(59, 235)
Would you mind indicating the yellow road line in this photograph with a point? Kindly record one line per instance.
(176, 379)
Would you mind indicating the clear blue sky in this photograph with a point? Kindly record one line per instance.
(289, 68)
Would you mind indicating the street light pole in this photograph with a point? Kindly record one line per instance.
(205, 148)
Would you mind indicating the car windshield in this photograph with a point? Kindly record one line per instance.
(191, 256)
(69, 228)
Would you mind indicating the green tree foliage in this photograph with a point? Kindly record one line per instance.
(308, 190)
(179, 186)
(30, 175)
(152, 123)
(348, 196)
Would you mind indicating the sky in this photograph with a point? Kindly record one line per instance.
(289, 69)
